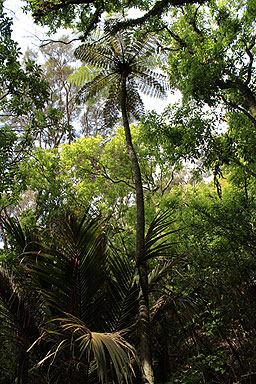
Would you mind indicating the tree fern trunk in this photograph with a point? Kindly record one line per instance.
(145, 346)
(22, 369)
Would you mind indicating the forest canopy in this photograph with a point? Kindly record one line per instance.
(128, 234)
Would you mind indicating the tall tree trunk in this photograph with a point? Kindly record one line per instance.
(145, 344)
(22, 369)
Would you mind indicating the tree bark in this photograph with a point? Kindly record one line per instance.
(249, 96)
(145, 344)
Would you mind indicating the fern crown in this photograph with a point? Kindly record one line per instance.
(107, 60)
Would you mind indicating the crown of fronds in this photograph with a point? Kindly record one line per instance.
(107, 59)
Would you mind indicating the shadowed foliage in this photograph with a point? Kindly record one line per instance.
(74, 301)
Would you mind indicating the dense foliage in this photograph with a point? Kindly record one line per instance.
(23, 93)
(74, 290)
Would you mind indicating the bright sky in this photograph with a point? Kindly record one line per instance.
(25, 32)
(29, 35)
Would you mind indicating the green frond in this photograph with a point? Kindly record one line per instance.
(124, 291)
(22, 238)
(134, 53)
(107, 351)
(95, 87)
(157, 241)
(97, 55)
(159, 272)
(71, 271)
(83, 75)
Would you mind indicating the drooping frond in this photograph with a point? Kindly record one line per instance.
(160, 272)
(111, 113)
(23, 239)
(107, 352)
(135, 106)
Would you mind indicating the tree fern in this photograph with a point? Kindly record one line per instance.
(110, 57)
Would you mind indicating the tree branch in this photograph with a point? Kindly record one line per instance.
(250, 101)
(168, 184)
(48, 7)
(157, 10)
(241, 109)
(196, 29)
(93, 23)
(104, 174)
(180, 41)
(50, 41)
(4, 96)
(248, 51)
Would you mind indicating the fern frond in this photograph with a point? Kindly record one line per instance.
(95, 87)
(149, 84)
(135, 106)
(129, 54)
(97, 55)
(83, 75)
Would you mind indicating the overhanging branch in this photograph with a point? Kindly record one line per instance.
(157, 10)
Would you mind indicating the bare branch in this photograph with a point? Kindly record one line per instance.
(248, 51)
(4, 96)
(168, 183)
(105, 174)
(50, 41)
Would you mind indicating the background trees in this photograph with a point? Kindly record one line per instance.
(120, 61)
(22, 93)
(69, 287)
(201, 288)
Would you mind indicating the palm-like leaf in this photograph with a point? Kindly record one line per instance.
(124, 291)
(89, 287)
(76, 274)
(94, 349)
(17, 287)
(74, 266)
(22, 239)
(81, 279)
(19, 322)
(113, 56)
(158, 242)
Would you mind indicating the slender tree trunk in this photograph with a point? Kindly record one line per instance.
(145, 344)
(22, 369)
